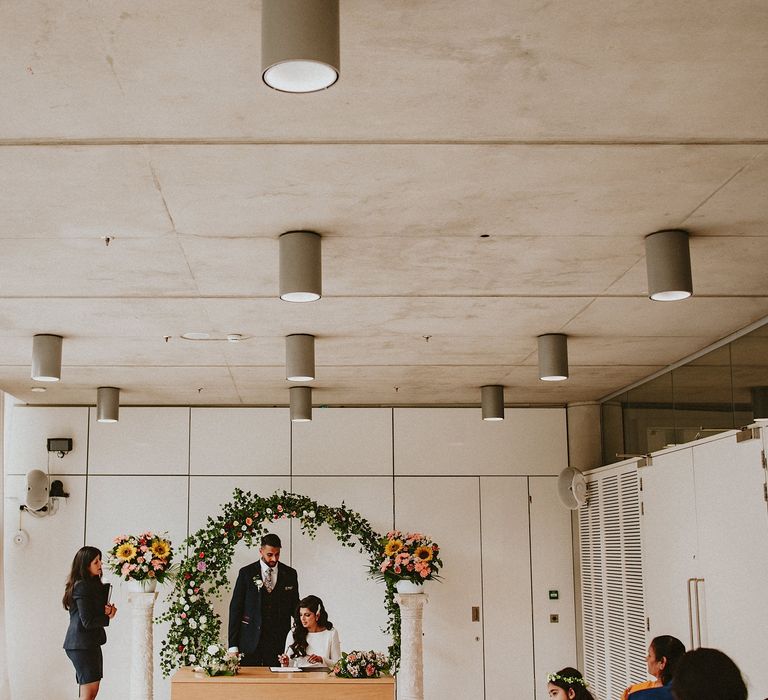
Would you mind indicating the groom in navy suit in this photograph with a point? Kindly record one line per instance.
(263, 602)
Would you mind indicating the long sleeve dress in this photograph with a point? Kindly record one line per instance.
(325, 644)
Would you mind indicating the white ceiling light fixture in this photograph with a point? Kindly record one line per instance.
(46, 357)
(553, 357)
(300, 357)
(301, 404)
(107, 404)
(300, 44)
(668, 260)
(492, 401)
(300, 266)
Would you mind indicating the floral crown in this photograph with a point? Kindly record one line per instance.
(570, 680)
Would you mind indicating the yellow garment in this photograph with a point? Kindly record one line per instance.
(640, 686)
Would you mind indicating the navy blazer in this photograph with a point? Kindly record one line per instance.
(87, 618)
(244, 628)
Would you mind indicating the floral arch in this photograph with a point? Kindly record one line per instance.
(203, 573)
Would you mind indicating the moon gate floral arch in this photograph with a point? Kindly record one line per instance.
(203, 573)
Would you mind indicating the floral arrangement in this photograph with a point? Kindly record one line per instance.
(217, 661)
(361, 664)
(141, 557)
(408, 556)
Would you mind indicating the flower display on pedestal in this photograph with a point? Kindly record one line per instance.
(361, 664)
(145, 557)
(408, 556)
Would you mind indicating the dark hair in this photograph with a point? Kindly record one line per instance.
(569, 678)
(708, 674)
(79, 572)
(271, 540)
(671, 649)
(313, 603)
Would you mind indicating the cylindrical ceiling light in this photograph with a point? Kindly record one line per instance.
(668, 259)
(107, 404)
(300, 44)
(300, 357)
(300, 268)
(553, 357)
(46, 357)
(301, 403)
(760, 403)
(492, 401)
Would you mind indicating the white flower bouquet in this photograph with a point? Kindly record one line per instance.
(217, 661)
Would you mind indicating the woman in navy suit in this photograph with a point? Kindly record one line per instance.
(89, 613)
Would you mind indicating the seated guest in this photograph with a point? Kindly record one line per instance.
(664, 653)
(568, 684)
(312, 641)
(708, 674)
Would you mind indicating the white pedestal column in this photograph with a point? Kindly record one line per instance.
(410, 676)
(142, 660)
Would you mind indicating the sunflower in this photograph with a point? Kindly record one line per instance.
(126, 552)
(423, 553)
(393, 547)
(160, 548)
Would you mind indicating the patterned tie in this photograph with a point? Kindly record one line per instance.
(268, 580)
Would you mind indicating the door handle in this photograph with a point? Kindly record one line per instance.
(696, 583)
(690, 611)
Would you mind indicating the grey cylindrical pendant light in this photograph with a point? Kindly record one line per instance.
(107, 404)
(300, 44)
(301, 403)
(553, 357)
(46, 357)
(492, 401)
(300, 267)
(668, 259)
(300, 357)
(760, 403)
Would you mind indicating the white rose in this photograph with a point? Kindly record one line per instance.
(185, 640)
(192, 625)
(203, 619)
(269, 510)
(214, 648)
(190, 591)
(311, 514)
(186, 607)
(192, 657)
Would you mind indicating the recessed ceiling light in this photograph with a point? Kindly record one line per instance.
(196, 335)
(38, 389)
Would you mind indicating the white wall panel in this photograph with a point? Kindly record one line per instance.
(145, 441)
(507, 620)
(34, 578)
(337, 574)
(337, 441)
(240, 441)
(453, 441)
(448, 509)
(206, 496)
(130, 505)
(551, 569)
(29, 428)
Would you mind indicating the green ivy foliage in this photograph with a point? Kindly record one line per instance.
(203, 574)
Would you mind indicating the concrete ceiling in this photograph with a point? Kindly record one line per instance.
(564, 132)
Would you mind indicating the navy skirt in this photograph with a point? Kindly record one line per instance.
(89, 664)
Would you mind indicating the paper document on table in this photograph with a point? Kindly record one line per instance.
(283, 669)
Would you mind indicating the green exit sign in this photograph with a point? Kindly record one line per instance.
(554, 595)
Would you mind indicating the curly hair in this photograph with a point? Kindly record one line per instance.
(313, 603)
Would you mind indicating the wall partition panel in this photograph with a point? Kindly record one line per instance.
(448, 509)
(507, 610)
(453, 441)
(554, 620)
(130, 505)
(353, 441)
(338, 574)
(144, 441)
(244, 441)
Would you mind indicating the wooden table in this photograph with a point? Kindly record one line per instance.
(257, 683)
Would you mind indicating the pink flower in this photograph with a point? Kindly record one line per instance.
(279, 508)
(424, 573)
(387, 563)
(125, 568)
(157, 564)
(248, 521)
(201, 566)
(409, 567)
(370, 670)
(143, 548)
(397, 569)
(183, 616)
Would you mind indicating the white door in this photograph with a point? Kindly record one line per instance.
(668, 527)
(733, 545)
(448, 508)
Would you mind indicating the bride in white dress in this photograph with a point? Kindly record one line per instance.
(313, 640)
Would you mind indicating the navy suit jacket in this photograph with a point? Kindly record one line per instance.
(87, 619)
(245, 607)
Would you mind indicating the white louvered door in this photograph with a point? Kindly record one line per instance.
(613, 609)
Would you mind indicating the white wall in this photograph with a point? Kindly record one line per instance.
(440, 470)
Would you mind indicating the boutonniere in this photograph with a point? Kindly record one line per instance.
(257, 582)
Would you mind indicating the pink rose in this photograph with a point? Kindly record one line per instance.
(201, 566)
(183, 616)
(279, 508)
(424, 573)
(387, 563)
(248, 521)
(125, 568)
(397, 569)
